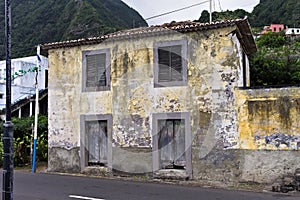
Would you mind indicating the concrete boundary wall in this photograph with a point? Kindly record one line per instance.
(269, 118)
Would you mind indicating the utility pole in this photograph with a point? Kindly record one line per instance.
(36, 112)
(210, 11)
(8, 164)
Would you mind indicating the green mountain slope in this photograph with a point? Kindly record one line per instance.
(276, 11)
(46, 21)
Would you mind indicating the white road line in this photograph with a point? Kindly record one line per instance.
(85, 198)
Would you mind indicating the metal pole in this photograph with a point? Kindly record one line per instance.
(210, 11)
(36, 112)
(8, 164)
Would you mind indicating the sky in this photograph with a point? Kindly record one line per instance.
(149, 8)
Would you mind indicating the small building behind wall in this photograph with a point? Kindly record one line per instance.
(293, 32)
(158, 100)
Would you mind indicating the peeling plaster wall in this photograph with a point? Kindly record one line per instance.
(214, 70)
(269, 118)
(269, 132)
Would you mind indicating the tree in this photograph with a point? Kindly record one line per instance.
(204, 18)
(271, 40)
(23, 139)
(277, 61)
(224, 15)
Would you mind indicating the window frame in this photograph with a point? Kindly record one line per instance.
(155, 139)
(107, 72)
(183, 82)
(84, 148)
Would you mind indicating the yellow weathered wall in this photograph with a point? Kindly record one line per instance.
(269, 118)
(232, 130)
(214, 69)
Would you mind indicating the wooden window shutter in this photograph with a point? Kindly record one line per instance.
(172, 143)
(93, 142)
(179, 140)
(164, 64)
(170, 63)
(166, 143)
(176, 63)
(96, 70)
(97, 142)
(103, 142)
(102, 70)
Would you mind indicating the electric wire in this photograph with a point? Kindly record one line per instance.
(177, 10)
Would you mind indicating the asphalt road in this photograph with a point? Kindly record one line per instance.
(29, 186)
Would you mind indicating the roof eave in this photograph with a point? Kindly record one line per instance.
(243, 28)
(245, 36)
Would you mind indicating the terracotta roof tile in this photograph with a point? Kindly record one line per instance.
(185, 26)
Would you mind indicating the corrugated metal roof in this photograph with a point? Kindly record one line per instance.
(182, 27)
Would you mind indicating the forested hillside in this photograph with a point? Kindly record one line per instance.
(268, 12)
(45, 21)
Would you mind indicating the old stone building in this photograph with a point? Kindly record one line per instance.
(166, 101)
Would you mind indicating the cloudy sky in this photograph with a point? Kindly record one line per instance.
(149, 8)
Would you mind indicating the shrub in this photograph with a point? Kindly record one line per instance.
(23, 140)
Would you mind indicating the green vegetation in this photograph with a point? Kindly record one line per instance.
(268, 12)
(23, 139)
(226, 15)
(46, 21)
(277, 61)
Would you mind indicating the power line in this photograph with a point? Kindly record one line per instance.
(177, 10)
(220, 6)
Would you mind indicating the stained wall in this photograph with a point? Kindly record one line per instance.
(269, 118)
(214, 71)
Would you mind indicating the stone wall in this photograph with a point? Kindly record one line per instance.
(231, 167)
(268, 133)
